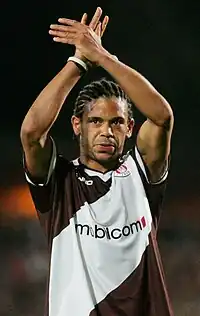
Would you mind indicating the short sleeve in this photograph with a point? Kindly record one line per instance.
(47, 196)
(145, 171)
(155, 191)
(50, 171)
(43, 194)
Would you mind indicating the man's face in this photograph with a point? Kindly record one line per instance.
(103, 130)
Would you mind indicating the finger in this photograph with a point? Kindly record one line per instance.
(104, 24)
(58, 33)
(64, 28)
(67, 21)
(95, 20)
(64, 40)
(98, 29)
(84, 18)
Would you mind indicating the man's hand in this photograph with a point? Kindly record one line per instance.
(86, 39)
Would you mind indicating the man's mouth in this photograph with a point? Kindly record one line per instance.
(104, 147)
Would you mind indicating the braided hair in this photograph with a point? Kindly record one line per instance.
(97, 89)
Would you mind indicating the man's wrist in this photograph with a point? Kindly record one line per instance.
(80, 56)
(105, 58)
(80, 64)
(85, 60)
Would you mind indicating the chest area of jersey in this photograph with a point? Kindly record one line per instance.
(116, 225)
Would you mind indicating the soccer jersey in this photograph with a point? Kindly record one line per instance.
(101, 233)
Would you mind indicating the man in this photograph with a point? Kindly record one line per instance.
(100, 212)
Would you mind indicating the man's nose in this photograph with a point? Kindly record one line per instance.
(106, 129)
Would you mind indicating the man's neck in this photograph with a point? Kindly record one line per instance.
(97, 166)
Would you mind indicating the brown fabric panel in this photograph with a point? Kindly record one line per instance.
(47, 200)
(58, 201)
(128, 298)
(46, 306)
(158, 294)
(143, 293)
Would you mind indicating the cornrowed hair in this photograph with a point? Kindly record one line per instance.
(97, 89)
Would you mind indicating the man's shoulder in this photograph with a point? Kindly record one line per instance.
(64, 164)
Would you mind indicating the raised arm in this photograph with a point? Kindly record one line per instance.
(154, 136)
(36, 143)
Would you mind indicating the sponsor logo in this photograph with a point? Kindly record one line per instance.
(122, 171)
(100, 232)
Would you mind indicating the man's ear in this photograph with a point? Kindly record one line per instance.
(76, 124)
(131, 124)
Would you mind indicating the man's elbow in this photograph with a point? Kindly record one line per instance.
(29, 133)
(166, 117)
(168, 120)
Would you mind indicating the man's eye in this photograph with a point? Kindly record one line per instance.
(116, 122)
(95, 121)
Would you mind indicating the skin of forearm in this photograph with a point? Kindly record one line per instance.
(48, 104)
(141, 92)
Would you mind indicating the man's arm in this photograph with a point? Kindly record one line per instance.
(36, 143)
(41, 116)
(154, 136)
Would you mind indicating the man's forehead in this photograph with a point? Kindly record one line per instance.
(106, 107)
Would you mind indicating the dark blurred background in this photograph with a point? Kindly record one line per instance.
(161, 40)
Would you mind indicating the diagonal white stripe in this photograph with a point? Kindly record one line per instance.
(85, 269)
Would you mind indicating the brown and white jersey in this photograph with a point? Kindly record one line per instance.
(101, 232)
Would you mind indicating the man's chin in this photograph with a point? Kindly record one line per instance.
(104, 157)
